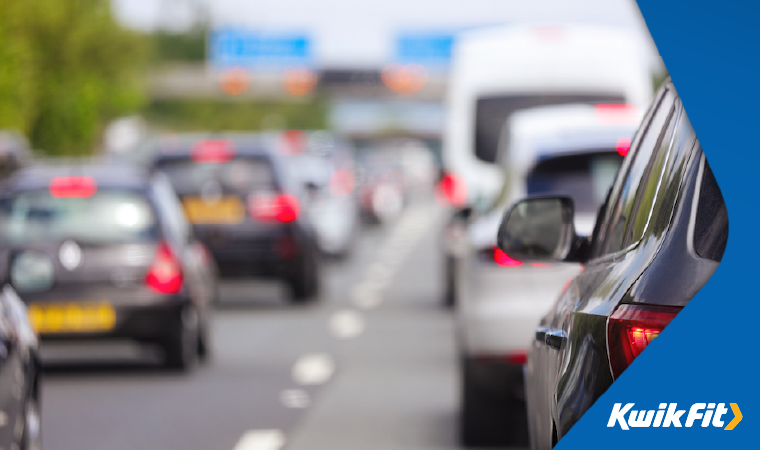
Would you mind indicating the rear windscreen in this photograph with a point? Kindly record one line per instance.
(585, 178)
(492, 112)
(240, 175)
(105, 217)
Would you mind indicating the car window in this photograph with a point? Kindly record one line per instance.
(107, 217)
(240, 174)
(711, 225)
(619, 210)
(173, 216)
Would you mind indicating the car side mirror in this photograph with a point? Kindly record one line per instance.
(541, 229)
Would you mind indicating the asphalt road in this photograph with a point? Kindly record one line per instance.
(370, 365)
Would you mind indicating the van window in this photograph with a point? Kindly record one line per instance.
(492, 111)
(711, 227)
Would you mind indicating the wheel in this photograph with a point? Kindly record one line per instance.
(450, 288)
(488, 420)
(204, 345)
(182, 349)
(306, 284)
(31, 439)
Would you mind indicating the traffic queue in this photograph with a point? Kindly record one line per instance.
(583, 218)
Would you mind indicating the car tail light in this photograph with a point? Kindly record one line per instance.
(165, 272)
(622, 146)
(72, 187)
(213, 151)
(631, 328)
(273, 208)
(342, 182)
(451, 190)
(617, 114)
(504, 260)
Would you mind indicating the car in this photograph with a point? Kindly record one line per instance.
(246, 204)
(657, 240)
(20, 371)
(324, 163)
(555, 150)
(382, 186)
(15, 152)
(99, 253)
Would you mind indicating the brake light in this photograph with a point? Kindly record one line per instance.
(622, 146)
(213, 151)
(273, 208)
(451, 190)
(631, 328)
(165, 272)
(342, 182)
(504, 260)
(72, 187)
(294, 142)
(616, 114)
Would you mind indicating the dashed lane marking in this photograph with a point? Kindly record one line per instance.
(261, 440)
(313, 369)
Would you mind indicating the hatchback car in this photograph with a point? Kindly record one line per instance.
(103, 252)
(19, 371)
(245, 203)
(657, 240)
(498, 299)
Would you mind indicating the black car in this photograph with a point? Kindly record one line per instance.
(246, 205)
(657, 240)
(102, 252)
(19, 374)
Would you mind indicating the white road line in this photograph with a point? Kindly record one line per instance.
(313, 369)
(261, 440)
(346, 324)
(295, 398)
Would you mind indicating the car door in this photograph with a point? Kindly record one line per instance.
(565, 371)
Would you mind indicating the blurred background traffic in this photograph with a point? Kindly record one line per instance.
(256, 225)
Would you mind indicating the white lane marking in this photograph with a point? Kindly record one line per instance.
(313, 369)
(261, 440)
(346, 324)
(295, 398)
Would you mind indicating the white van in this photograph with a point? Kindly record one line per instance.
(497, 71)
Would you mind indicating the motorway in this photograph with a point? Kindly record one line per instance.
(371, 365)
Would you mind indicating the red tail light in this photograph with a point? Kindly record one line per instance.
(165, 273)
(213, 151)
(73, 187)
(622, 146)
(504, 260)
(273, 208)
(451, 190)
(631, 328)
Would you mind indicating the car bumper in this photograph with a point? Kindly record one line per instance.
(500, 307)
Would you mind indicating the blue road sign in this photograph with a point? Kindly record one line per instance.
(429, 49)
(230, 47)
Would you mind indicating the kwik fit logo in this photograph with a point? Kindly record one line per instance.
(668, 415)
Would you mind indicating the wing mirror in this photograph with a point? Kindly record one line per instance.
(541, 229)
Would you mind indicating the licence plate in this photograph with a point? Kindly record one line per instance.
(72, 317)
(227, 210)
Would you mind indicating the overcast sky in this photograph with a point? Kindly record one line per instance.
(362, 32)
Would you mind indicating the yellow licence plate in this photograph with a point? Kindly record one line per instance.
(227, 210)
(72, 317)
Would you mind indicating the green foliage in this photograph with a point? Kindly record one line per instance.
(217, 115)
(65, 67)
(189, 46)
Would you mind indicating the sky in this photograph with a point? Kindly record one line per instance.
(361, 33)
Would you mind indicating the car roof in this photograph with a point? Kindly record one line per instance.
(38, 176)
(180, 145)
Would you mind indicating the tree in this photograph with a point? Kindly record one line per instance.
(65, 67)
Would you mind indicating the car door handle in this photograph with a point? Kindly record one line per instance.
(555, 338)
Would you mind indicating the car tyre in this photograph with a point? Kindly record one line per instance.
(487, 420)
(306, 285)
(450, 287)
(31, 439)
(182, 349)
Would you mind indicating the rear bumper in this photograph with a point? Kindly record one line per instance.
(500, 307)
(145, 322)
